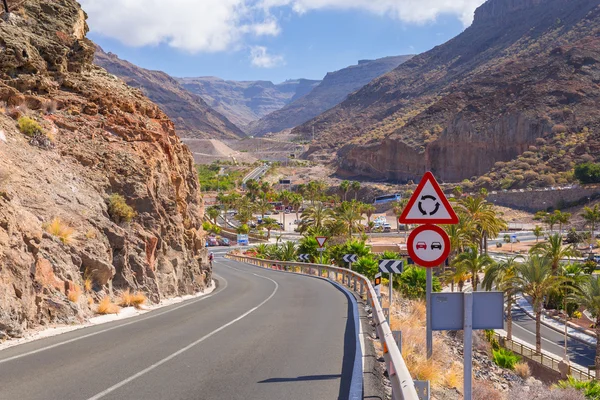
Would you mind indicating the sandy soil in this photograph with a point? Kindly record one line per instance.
(206, 151)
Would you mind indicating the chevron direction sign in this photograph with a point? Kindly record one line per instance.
(304, 257)
(350, 258)
(391, 266)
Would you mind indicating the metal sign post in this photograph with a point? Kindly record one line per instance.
(468, 346)
(391, 267)
(429, 334)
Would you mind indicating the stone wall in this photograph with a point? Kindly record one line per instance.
(541, 200)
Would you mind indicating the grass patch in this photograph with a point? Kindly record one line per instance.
(118, 209)
(505, 358)
(87, 285)
(106, 306)
(74, 294)
(128, 299)
(207, 176)
(61, 230)
(522, 369)
(29, 126)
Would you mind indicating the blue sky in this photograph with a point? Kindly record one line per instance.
(270, 39)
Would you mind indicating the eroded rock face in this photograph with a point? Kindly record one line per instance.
(106, 138)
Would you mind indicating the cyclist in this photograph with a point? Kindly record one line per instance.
(211, 257)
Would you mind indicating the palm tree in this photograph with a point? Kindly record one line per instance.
(269, 224)
(398, 208)
(350, 214)
(213, 213)
(253, 188)
(535, 278)
(538, 232)
(502, 276)
(245, 210)
(456, 276)
(286, 198)
(316, 216)
(296, 203)
(483, 217)
(287, 251)
(588, 296)
(345, 187)
(473, 262)
(356, 187)
(368, 210)
(561, 218)
(554, 251)
(314, 190)
(592, 216)
(263, 205)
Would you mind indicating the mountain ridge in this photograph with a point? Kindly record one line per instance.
(332, 90)
(453, 109)
(193, 117)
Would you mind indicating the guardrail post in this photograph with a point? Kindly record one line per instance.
(423, 389)
(398, 339)
(355, 284)
(362, 289)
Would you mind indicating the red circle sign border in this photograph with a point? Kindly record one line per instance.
(413, 255)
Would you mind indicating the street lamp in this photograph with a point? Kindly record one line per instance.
(566, 358)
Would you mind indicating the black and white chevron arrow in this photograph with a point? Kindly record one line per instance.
(304, 257)
(391, 266)
(350, 258)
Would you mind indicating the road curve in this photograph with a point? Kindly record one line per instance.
(261, 335)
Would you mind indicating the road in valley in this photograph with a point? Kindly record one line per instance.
(552, 341)
(260, 335)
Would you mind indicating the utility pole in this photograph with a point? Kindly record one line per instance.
(313, 128)
(5, 6)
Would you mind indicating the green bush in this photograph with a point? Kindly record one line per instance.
(413, 282)
(212, 228)
(505, 358)
(243, 229)
(118, 209)
(29, 126)
(590, 389)
(587, 172)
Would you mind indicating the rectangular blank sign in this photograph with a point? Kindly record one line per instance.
(447, 311)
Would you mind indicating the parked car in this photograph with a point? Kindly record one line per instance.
(224, 242)
(387, 227)
(212, 241)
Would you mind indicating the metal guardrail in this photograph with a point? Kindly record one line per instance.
(543, 359)
(403, 387)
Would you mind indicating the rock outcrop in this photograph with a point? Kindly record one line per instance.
(525, 74)
(334, 88)
(247, 101)
(74, 139)
(193, 118)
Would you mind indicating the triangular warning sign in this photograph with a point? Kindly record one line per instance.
(428, 205)
(321, 240)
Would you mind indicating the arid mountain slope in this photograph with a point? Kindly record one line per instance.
(524, 72)
(74, 138)
(193, 118)
(244, 102)
(334, 88)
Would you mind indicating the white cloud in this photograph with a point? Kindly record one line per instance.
(260, 57)
(222, 25)
(191, 25)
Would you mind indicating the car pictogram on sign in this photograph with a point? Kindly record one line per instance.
(436, 245)
(421, 245)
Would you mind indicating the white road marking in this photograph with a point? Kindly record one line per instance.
(186, 348)
(112, 328)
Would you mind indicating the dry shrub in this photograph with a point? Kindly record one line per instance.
(540, 392)
(454, 376)
(106, 306)
(16, 112)
(74, 294)
(49, 106)
(485, 391)
(90, 301)
(87, 285)
(128, 299)
(29, 126)
(60, 229)
(91, 234)
(522, 369)
(2, 107)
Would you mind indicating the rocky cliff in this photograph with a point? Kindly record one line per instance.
(247, 101)
(193, 118)
(334, 88)
(97, 193)
(523, 76)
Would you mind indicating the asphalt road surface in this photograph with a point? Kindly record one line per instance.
(260, 335)
(552, 341)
